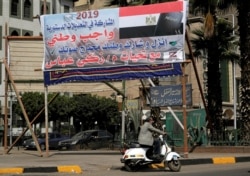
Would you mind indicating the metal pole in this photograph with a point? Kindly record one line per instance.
(11, 117)
(235, 97)
(198, 79)
(123, 112)
(46, 120)
(123, 126)
(234, 83)
(234, 86)
(6, 94)
(184, 108)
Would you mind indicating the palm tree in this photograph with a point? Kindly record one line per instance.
(244, 32)
(214, 98)
(224, 41)
(243, 8)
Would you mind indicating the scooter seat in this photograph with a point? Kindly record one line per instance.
(135, 145)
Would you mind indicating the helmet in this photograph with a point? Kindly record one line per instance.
(144, 117)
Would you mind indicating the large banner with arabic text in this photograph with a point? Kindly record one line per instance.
(109, 39)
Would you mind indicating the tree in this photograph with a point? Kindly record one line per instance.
(225, 41)
(60, 110)
(85, 109)
(243, 8)
(214, 96)
(244, 31)
(90, 110)
(33, 102)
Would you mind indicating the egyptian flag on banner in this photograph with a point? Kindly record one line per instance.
(151, 20)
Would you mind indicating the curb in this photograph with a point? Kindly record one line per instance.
(62, 169)
(215, 160)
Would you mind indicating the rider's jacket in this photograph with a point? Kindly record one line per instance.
(146, 134)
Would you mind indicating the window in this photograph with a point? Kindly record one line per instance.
(15, 8)
(1, 62)
(27, 33)
(14, 5)
(225, 81)
(47, 8)
(1, 7)
(66, 9)
(102, 133)
(1, 40)
(14, 32)
(27, 9)
(94, 134)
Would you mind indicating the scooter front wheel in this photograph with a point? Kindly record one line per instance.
(130, 167)
(173, 165)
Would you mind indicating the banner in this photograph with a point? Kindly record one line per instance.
(111, 38)
(111, 73)
(169, 95)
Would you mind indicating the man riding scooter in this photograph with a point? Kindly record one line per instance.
(146, 138)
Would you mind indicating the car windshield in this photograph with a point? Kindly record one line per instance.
(43, 135)
(81, 135)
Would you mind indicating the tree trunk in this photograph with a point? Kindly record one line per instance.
(214, 89)
(244, 30)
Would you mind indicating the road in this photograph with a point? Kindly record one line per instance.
(238, 169)
(97, 163)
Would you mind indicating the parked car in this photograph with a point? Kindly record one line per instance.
(54, 138)
(92, 139)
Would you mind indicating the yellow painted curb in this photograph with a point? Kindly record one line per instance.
(224, 160)
(70, 169)
(157, 166)
(11, 170)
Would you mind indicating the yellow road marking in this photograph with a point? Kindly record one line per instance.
(224, 160)
(16, 170)
(70, 169)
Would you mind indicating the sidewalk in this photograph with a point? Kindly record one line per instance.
(24, 161)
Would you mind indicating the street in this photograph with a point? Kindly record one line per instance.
(239, 169)
(107, 163)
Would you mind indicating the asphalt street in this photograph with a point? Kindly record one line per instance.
(28, 161)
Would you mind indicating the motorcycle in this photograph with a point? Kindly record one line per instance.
(136, 156)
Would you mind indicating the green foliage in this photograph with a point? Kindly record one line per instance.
(61, 108)
(85, 109)
(92, 109)
(33, 102)
(219, 47)
(227, 43)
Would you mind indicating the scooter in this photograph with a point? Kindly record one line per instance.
(136, 156)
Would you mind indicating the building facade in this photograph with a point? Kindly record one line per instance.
(21, 18)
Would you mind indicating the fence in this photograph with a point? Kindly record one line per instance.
(198, 134)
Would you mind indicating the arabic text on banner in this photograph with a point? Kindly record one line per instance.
(118, 37)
